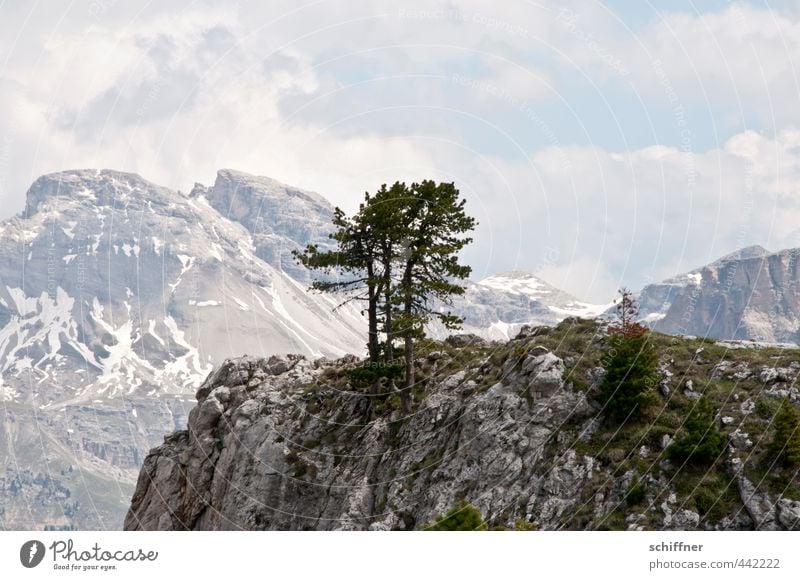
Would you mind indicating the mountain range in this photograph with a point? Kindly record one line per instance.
(751, 294)
(118, 296)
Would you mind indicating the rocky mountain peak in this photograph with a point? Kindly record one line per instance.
(746, 253)
(748, 294)
(231, 184)
(96, 187)
(280, 218)
(116, 297)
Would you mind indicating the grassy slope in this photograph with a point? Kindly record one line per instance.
(635, 447)
(708, 490)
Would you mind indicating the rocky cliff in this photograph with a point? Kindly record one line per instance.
(751, 294)
(292, 444)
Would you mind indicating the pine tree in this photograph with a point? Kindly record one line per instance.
(630, 363)
(399, 254)
(384, 212)
(351, 269)
(785, 444)
(434, 226)
(702, 443)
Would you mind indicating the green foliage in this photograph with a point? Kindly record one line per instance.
(785, 444)
(433, 224)
(708, 502)
(631, 372)
(350, 269)
(630, 363)
(767, 407)
(465, 517)
(636, 493)
(521, 525)
(399, 255)
(367, 375)
(703, 443)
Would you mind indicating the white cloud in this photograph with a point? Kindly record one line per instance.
(342, 96)
(639, 216)
(739, 63)
(173, 99)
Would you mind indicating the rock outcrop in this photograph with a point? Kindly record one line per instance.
(256, 457)
(289, 445)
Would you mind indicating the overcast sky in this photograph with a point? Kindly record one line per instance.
(599, 144)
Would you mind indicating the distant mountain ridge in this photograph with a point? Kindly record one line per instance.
(750, 294)
(497, 307)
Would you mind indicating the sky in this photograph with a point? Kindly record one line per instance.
(599, 144)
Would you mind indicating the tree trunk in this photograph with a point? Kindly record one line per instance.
(373, 344)
(388, 316)
(405, 396)
(409, 356)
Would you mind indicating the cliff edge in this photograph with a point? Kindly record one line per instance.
(291, 444)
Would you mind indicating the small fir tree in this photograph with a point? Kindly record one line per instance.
(630, 363)
(703, 443)
(627, 313)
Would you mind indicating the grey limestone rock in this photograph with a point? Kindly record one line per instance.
(245, 461)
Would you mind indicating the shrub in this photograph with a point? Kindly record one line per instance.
(522, 525)
(702, 443)
(767, 407)
(630, 363)
(367, 375)
(465, 517)
(711, 501)
(636, 493)
(785, 444)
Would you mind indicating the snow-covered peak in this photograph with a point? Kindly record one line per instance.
(516, 282)
(580, 309)
(496, 307)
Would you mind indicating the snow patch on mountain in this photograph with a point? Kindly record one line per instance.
(518, 283)
(497, 307)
